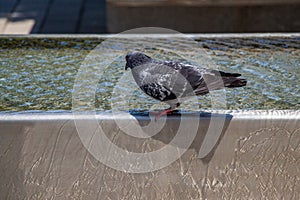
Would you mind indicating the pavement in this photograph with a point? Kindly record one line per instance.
(52, 16)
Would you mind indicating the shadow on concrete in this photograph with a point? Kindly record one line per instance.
(172, 124)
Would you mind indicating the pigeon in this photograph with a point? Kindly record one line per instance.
(171, 82)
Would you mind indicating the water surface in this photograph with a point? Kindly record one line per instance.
(39, 74)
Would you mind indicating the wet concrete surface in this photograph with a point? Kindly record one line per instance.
(256, 157)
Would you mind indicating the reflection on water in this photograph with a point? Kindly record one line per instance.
(39, 74)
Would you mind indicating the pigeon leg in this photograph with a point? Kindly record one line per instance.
(167, 111)
(162, 113)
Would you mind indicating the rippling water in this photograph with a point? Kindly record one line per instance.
(39, 74)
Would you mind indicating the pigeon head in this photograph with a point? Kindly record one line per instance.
(134, 59)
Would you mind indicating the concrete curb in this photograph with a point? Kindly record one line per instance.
(257, 156)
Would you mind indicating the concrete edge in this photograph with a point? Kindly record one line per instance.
(130, 3)
(191, 35)
(68, 115)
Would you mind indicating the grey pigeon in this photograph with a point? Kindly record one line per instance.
(170, 82)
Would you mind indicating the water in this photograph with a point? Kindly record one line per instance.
(39, 74)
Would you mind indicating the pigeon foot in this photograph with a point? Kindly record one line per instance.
(165, 112)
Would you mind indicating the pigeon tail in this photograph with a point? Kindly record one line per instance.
(227, 74)
(231, 82)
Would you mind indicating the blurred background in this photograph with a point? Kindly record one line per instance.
(113, 16)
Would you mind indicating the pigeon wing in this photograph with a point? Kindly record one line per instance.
(158, 91)
(201, 79)
(172, 77)
(194, 76)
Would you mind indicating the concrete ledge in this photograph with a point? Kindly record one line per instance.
(201, 2)
(204, 16)
(256, 156)
(195, 36)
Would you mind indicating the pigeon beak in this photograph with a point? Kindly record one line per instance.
(126, 58)
(126, 66)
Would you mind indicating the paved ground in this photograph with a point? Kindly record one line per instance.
(52, 16)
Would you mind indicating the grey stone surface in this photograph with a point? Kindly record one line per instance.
(93, 20)
(62, 17)
(25, 16)
(205, 16)
(52, 16)
(257, 157)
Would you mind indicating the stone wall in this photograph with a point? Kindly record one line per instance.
(257, 156)
(208, 16)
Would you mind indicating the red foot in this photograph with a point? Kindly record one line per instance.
(162, 113)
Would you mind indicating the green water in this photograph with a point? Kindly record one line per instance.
(39, 74)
